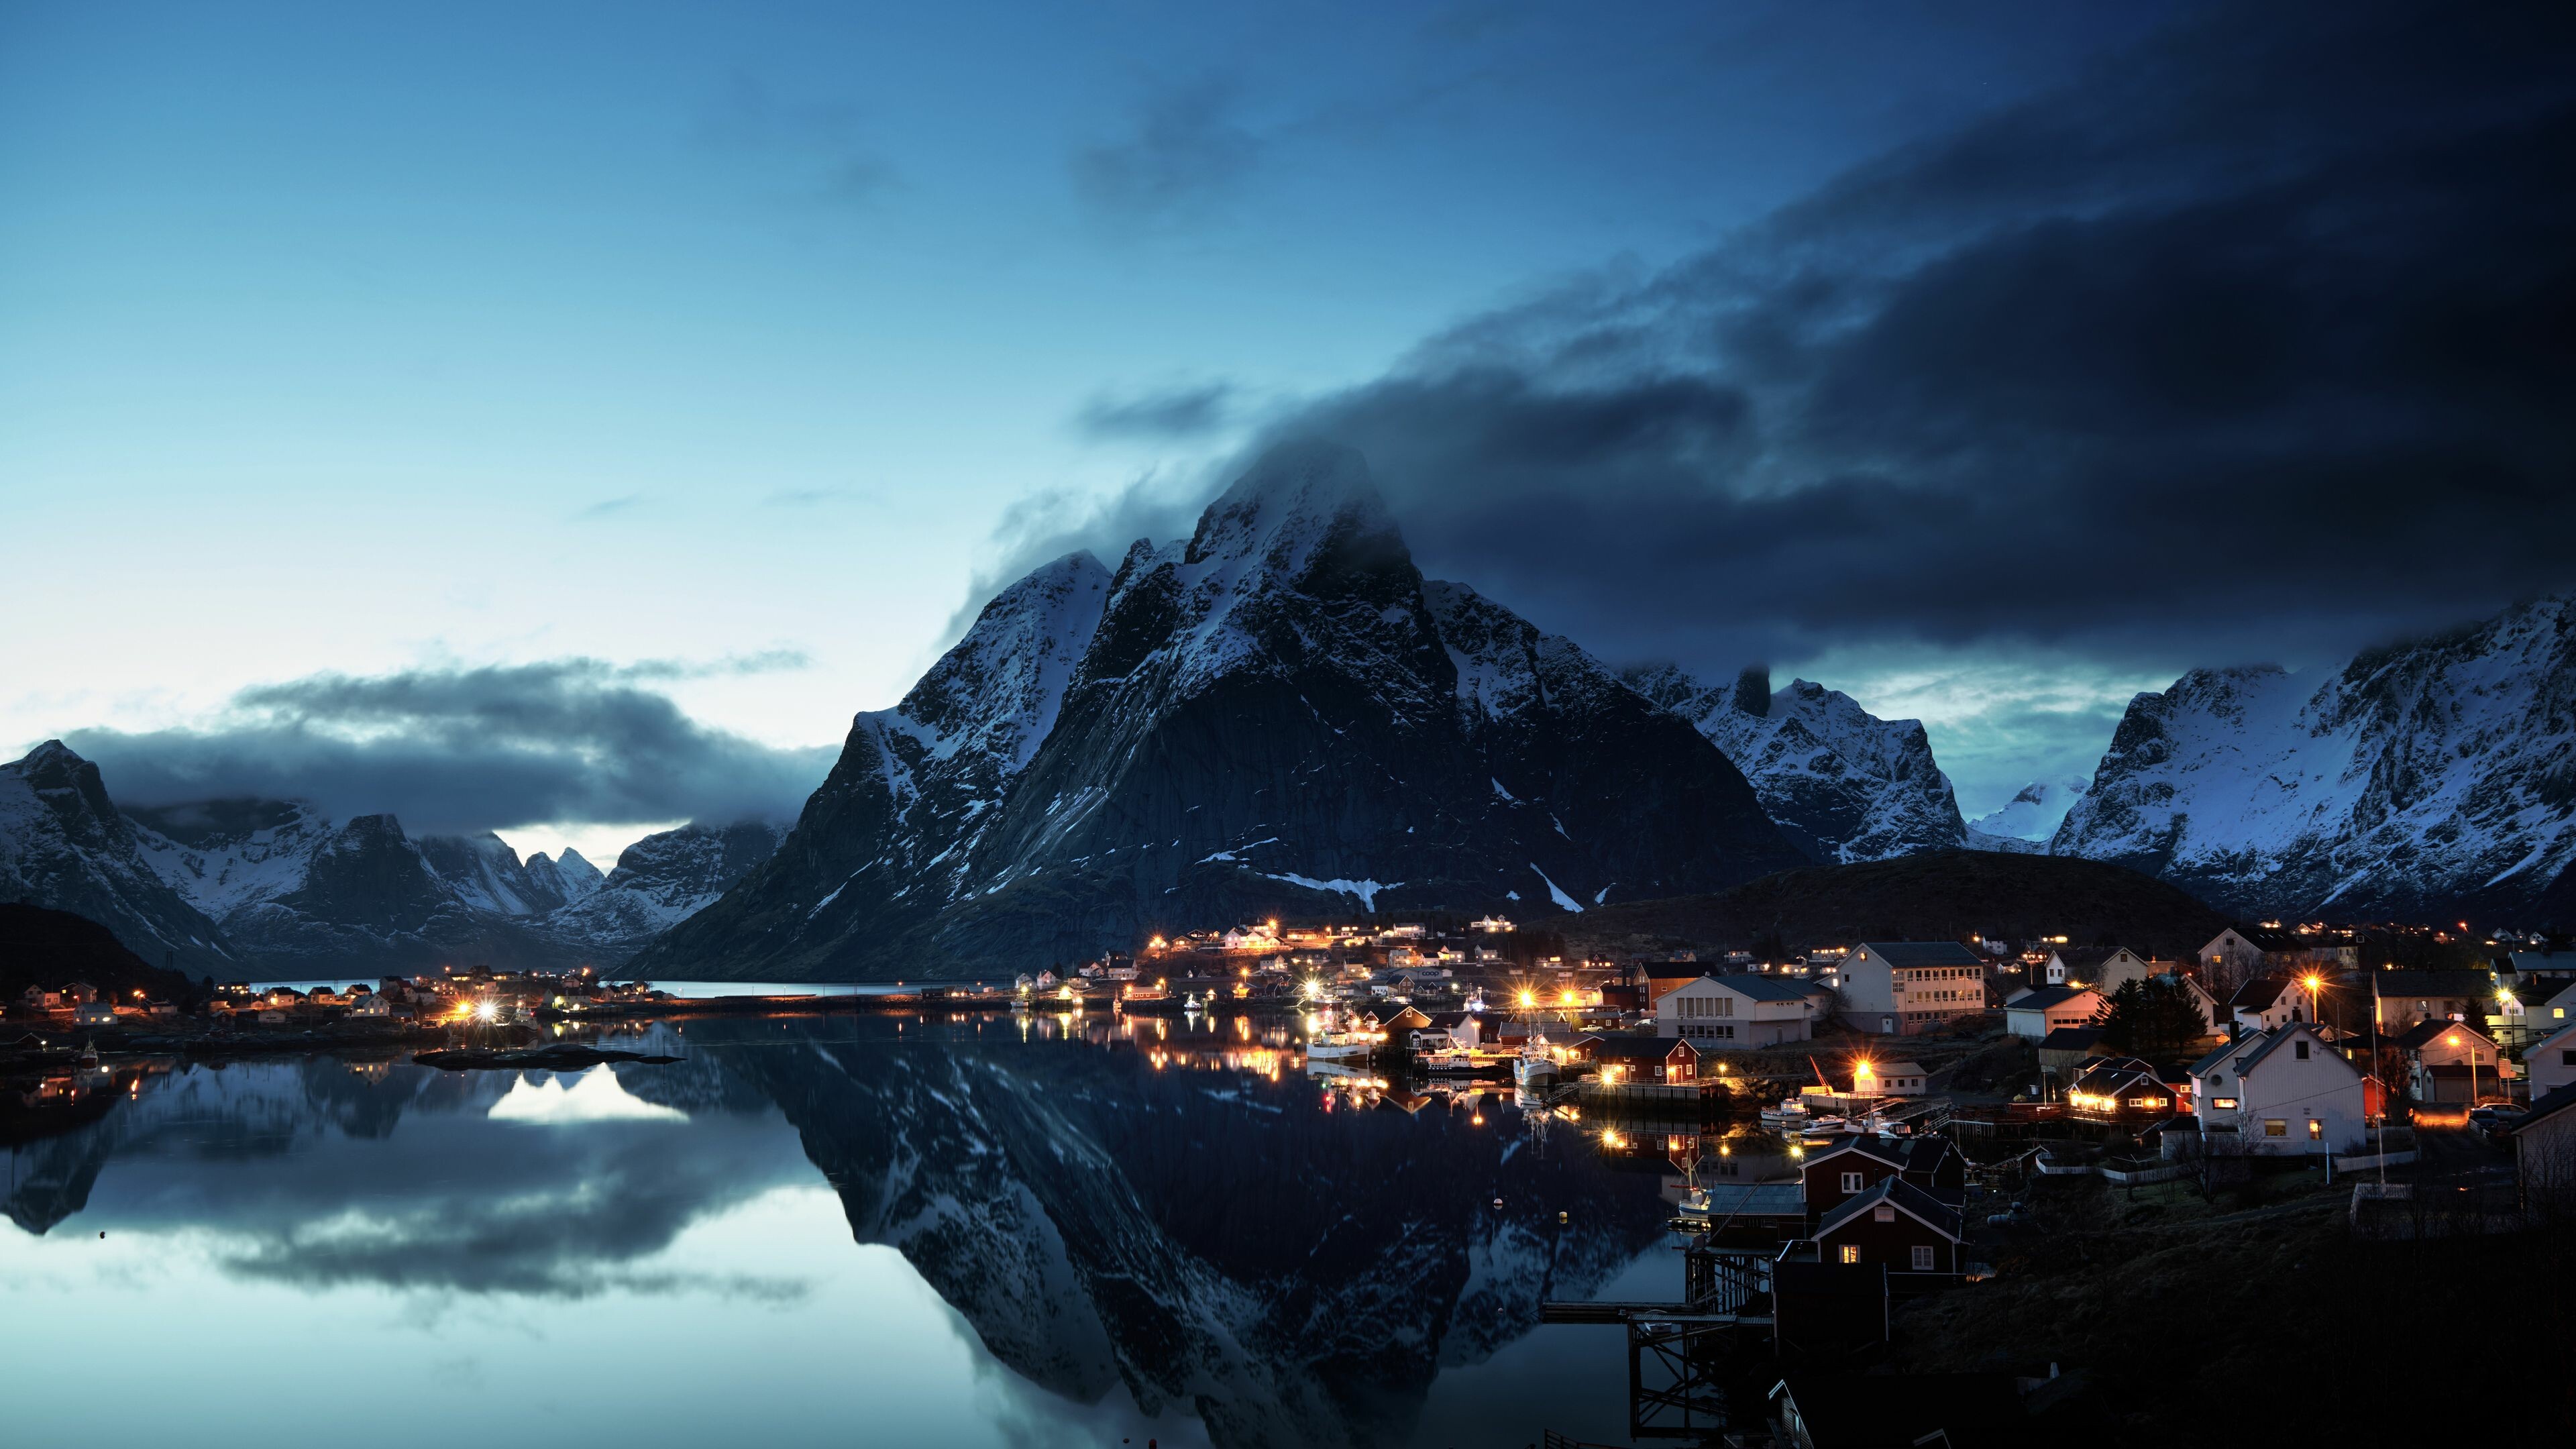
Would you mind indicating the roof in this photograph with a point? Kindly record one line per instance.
(2271, 1042)
(1906, 1068)
(1766, 988)
(1629, 1044)
(2211, 1062)
(2557, 1038)
(1923, 953)
(2548, 1106)
(2431, 983)
(2542, 960)
(2270, 938)
(2047, 996)
(2422, 1033)
(2071, 1039)
(1902, 1195)
(1867, 1144)
(2260, 992)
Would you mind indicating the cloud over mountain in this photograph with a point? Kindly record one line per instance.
(469, 749)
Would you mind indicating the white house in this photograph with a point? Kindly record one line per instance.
(94, 1013)
(2035, 1014)
(1899, 1078)
(2550, 1062)
(1909, 987)
(2268, 1003)
(1734, 1013)
(2283, 1091)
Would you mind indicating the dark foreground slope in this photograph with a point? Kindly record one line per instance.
(1939, 896)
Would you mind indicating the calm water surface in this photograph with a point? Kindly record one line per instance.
(818, 1231)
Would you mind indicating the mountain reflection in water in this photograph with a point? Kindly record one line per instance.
(1167, 1235)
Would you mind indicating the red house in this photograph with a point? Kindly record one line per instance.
(1858, 1163)
(1899, 1226)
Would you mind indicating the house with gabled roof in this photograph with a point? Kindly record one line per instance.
(2125, 1091)
(2544, 1153)
(1740, 1012)
(2266, 1003)
(2451, 1062)
(1913, 1235)
(2282, 1091)
(2550, 1063)
(1906, 988)
(1855, 1163)
(2038, 1012)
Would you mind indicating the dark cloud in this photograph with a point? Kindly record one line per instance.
(1184, 412)
(1186, 150)
(2255, 341)
(447, 750)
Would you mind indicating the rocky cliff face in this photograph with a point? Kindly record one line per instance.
(2424, 779)
(659, 881)
(63, 845)
(1842, 783)
(1276, 716)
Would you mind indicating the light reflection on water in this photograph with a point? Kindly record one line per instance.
(1067, 1231)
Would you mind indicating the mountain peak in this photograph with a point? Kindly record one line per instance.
(1295, 501)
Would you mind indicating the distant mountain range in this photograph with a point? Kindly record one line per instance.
(275, 888)
(1280, 716)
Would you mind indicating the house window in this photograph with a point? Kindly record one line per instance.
(2299, 1049)
(1884, 1214)
(2223, 1104)
(2316, 1130)
(2567, 1058)
(1851, 1252)
(2276, 1127)
(1922, 1260)
(1851, 1182)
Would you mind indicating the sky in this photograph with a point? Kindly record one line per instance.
(562, 419)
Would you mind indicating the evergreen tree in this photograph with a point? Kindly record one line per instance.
(2155, 1018)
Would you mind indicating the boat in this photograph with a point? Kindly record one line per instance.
(1825, 1127)
(1535, 1066)
(1342, 1046)
(1791, 1113)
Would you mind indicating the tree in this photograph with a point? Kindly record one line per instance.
(2153, 1018)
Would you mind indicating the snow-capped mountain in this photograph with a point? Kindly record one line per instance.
(275, 887)
(1841, 783)
(2426, 778)
(1275, 715)
(63, 845)
(659, 881)
(2026, 821)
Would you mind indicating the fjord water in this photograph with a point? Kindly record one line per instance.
(817, 1230)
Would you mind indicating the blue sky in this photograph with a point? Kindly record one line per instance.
(759, 338)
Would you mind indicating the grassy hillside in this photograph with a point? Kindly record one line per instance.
(40, 947)
(1944, 895)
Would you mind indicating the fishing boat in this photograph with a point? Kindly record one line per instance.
(1827, 1126)
(1791, 1113)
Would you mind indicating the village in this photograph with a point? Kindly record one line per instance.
(1855, 1142)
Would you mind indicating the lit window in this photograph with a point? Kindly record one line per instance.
(2224, 1104)
(2316, 1130)
(1851, 1252)
(1922, 1260)
(2276, 1127)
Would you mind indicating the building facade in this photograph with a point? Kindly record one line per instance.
(1906, 988)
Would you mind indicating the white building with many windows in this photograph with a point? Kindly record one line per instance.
(1906, 988)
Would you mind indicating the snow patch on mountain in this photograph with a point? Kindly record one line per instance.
(2033, 813)
(1841, 782)
(2433, 776)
